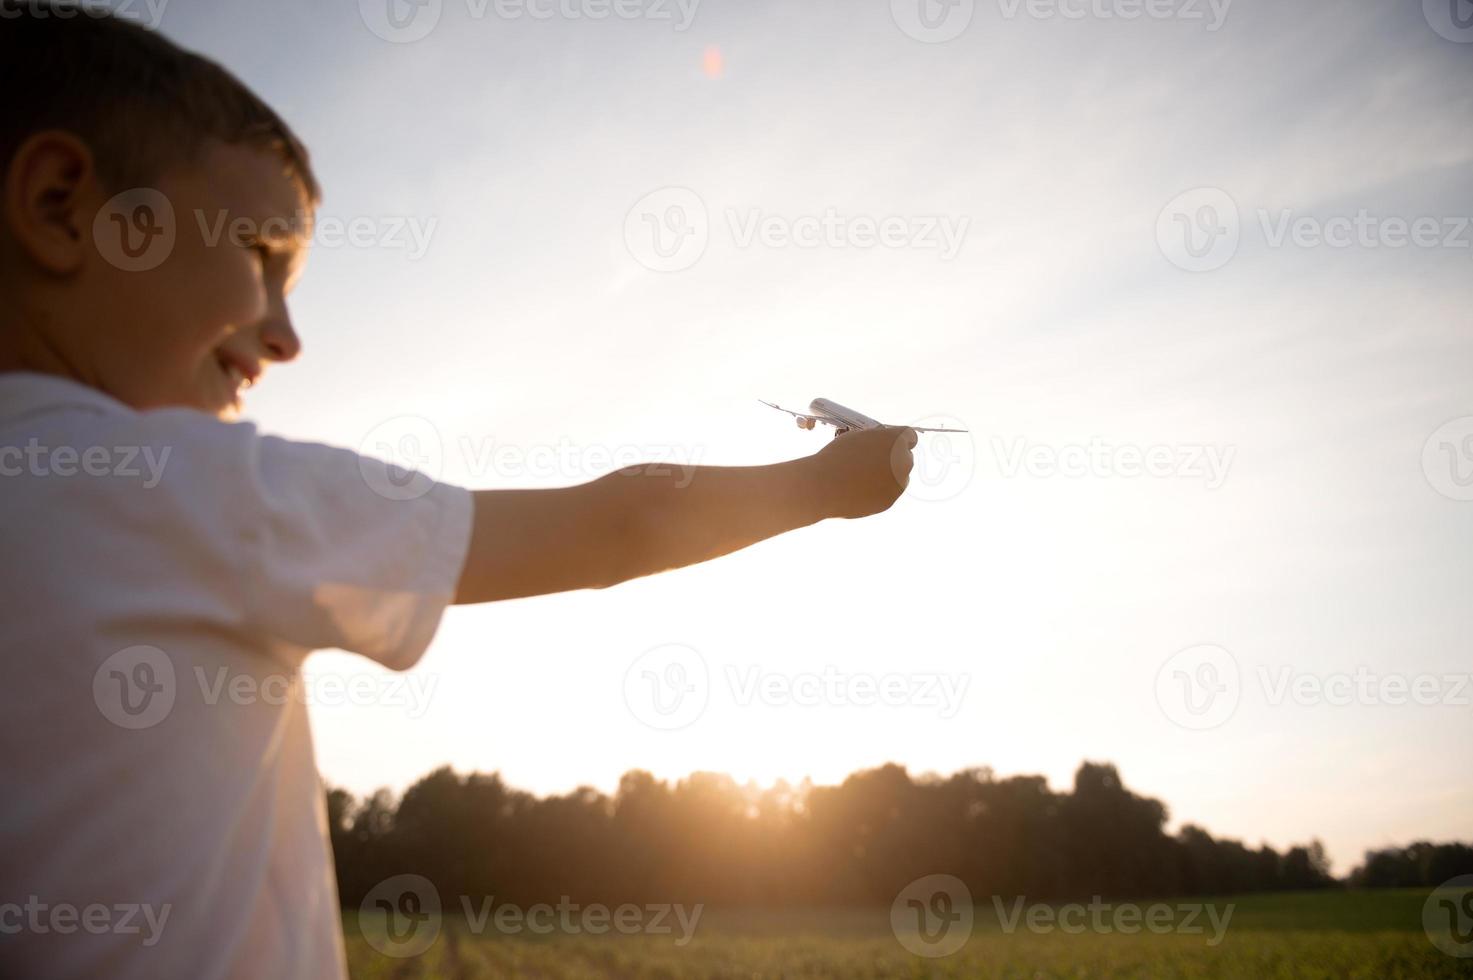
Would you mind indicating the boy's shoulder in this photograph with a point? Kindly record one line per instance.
(56, 427)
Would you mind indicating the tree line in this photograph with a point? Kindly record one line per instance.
(1419, 865)
(707, 839)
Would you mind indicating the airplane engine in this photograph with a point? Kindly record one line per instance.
(806, 424)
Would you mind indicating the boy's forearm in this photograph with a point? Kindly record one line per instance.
(629, 524)
(704, 512)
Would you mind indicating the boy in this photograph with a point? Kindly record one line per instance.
(148, 541)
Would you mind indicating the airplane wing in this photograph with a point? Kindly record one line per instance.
(796, 415)
(917, 428)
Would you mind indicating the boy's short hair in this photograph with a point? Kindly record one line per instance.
(142, 103)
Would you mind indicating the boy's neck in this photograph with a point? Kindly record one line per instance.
(25, 348)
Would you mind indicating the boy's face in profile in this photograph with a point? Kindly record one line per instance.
(202, 325)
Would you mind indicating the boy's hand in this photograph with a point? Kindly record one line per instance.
(863, 471)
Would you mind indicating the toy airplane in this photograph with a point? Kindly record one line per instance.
(841, 418)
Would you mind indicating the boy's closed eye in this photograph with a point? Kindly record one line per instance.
(279, 255)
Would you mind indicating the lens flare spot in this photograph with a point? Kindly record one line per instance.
(712, 62)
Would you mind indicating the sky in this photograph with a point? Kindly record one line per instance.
(1197, 281)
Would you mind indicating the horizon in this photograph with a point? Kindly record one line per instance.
(752, 789)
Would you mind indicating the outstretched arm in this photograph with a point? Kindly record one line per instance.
(639, 521)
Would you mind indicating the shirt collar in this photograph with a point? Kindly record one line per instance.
(25, 393)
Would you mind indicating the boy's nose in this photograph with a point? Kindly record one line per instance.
(280, 339)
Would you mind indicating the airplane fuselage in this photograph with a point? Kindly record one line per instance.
(846, 417)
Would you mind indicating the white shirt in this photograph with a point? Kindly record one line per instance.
(164, 575)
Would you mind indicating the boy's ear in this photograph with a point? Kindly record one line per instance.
(49, 200)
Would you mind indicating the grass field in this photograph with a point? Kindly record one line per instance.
(1372, 935)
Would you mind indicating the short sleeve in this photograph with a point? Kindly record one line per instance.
(348, 551)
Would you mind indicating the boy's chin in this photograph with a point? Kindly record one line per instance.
(219, 398)
(228, 410)
(213, 404)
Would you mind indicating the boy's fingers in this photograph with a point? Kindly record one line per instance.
(901, 460)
